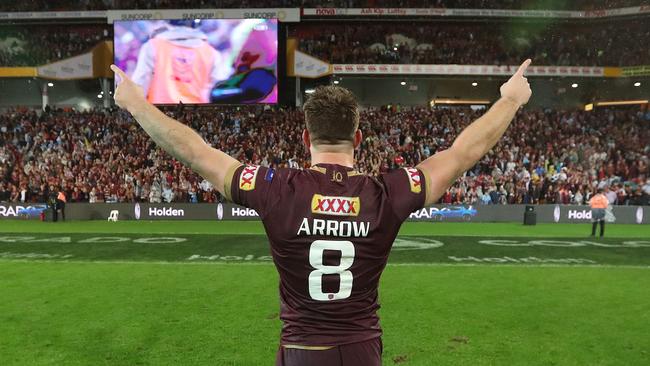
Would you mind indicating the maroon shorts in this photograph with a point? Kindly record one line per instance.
(366, 353)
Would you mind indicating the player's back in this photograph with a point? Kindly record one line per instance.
(331, 230)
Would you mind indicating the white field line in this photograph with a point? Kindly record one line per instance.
(237, 263)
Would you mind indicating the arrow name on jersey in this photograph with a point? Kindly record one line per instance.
(344, 229)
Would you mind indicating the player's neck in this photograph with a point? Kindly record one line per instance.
(338, 158)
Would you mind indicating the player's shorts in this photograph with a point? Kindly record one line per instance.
(366, 353)
(597, 214)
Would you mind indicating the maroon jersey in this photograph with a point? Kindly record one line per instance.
(331, 230)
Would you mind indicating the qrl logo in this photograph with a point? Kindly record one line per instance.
(247, 177)
(579, 215)
(336, 206)
(414, 179)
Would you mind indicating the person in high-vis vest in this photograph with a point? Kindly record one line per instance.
(60, 203)
(598, 203)
(179, 65)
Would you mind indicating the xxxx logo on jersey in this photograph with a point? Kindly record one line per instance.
(414, 179)
(247, 177)
(337, 206)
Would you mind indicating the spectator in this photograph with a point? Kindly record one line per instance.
(485, 43)
(35, 46)
(50, 5)
(611, 195)
(100, 156)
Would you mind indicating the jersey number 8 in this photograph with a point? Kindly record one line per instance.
(316, 251)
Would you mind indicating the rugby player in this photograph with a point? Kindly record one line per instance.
(330, 227)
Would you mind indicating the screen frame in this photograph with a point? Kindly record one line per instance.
(276, 67)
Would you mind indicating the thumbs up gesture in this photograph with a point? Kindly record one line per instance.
(517, 88)
(128, 94)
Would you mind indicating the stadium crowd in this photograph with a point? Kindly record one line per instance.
(486, 43)
(38, 45)
(546, 156)
(607, 44)
(62, 5)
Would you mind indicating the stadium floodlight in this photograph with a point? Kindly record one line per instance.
(394, 48)
(100, 96)
(50, 84)
(475, 84)
(309, 91)
(637, 84)
(574, 85)
(402, 83)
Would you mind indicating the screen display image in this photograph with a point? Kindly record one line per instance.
(197, 61)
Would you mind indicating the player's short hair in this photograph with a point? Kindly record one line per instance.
(331, 115)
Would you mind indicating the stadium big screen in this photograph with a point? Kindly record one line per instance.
(198, 61)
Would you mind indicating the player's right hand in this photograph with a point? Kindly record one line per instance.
(128, 94)
(517, 88)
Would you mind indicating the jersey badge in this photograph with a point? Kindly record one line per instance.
(247, 177)
(336, 206)
(414, 179)
(269, 174)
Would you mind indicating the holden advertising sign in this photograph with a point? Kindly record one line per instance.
(336, 206)
(582, 214)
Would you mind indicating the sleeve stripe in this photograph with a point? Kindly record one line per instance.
(227, 183)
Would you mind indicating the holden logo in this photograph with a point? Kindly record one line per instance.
(137, 211)
(556, 213)
(220, 211)
(639, 215)
(579, 215)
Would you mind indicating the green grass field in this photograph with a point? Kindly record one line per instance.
(205, 293)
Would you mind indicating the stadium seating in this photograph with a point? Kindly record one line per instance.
(38, 45)
(387, 43)
(546, 156)
(41, 5)
(599, 44)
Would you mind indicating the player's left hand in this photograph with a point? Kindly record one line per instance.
(128, 94)
(517, 88)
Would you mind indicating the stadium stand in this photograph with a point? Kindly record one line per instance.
(51, 5)
(476, 43)
(34, 46)
(546, 156)
(387, 43)
(486, 4)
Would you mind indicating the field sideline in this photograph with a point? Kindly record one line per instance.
(126, 293)
(255, 227)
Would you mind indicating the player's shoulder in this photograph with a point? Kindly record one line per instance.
(250, 173)
(407, 179)
(407, 174)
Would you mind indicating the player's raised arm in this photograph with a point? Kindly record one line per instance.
(478, 138)
(177, 139)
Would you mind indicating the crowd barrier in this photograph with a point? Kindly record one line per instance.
(227, 211)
